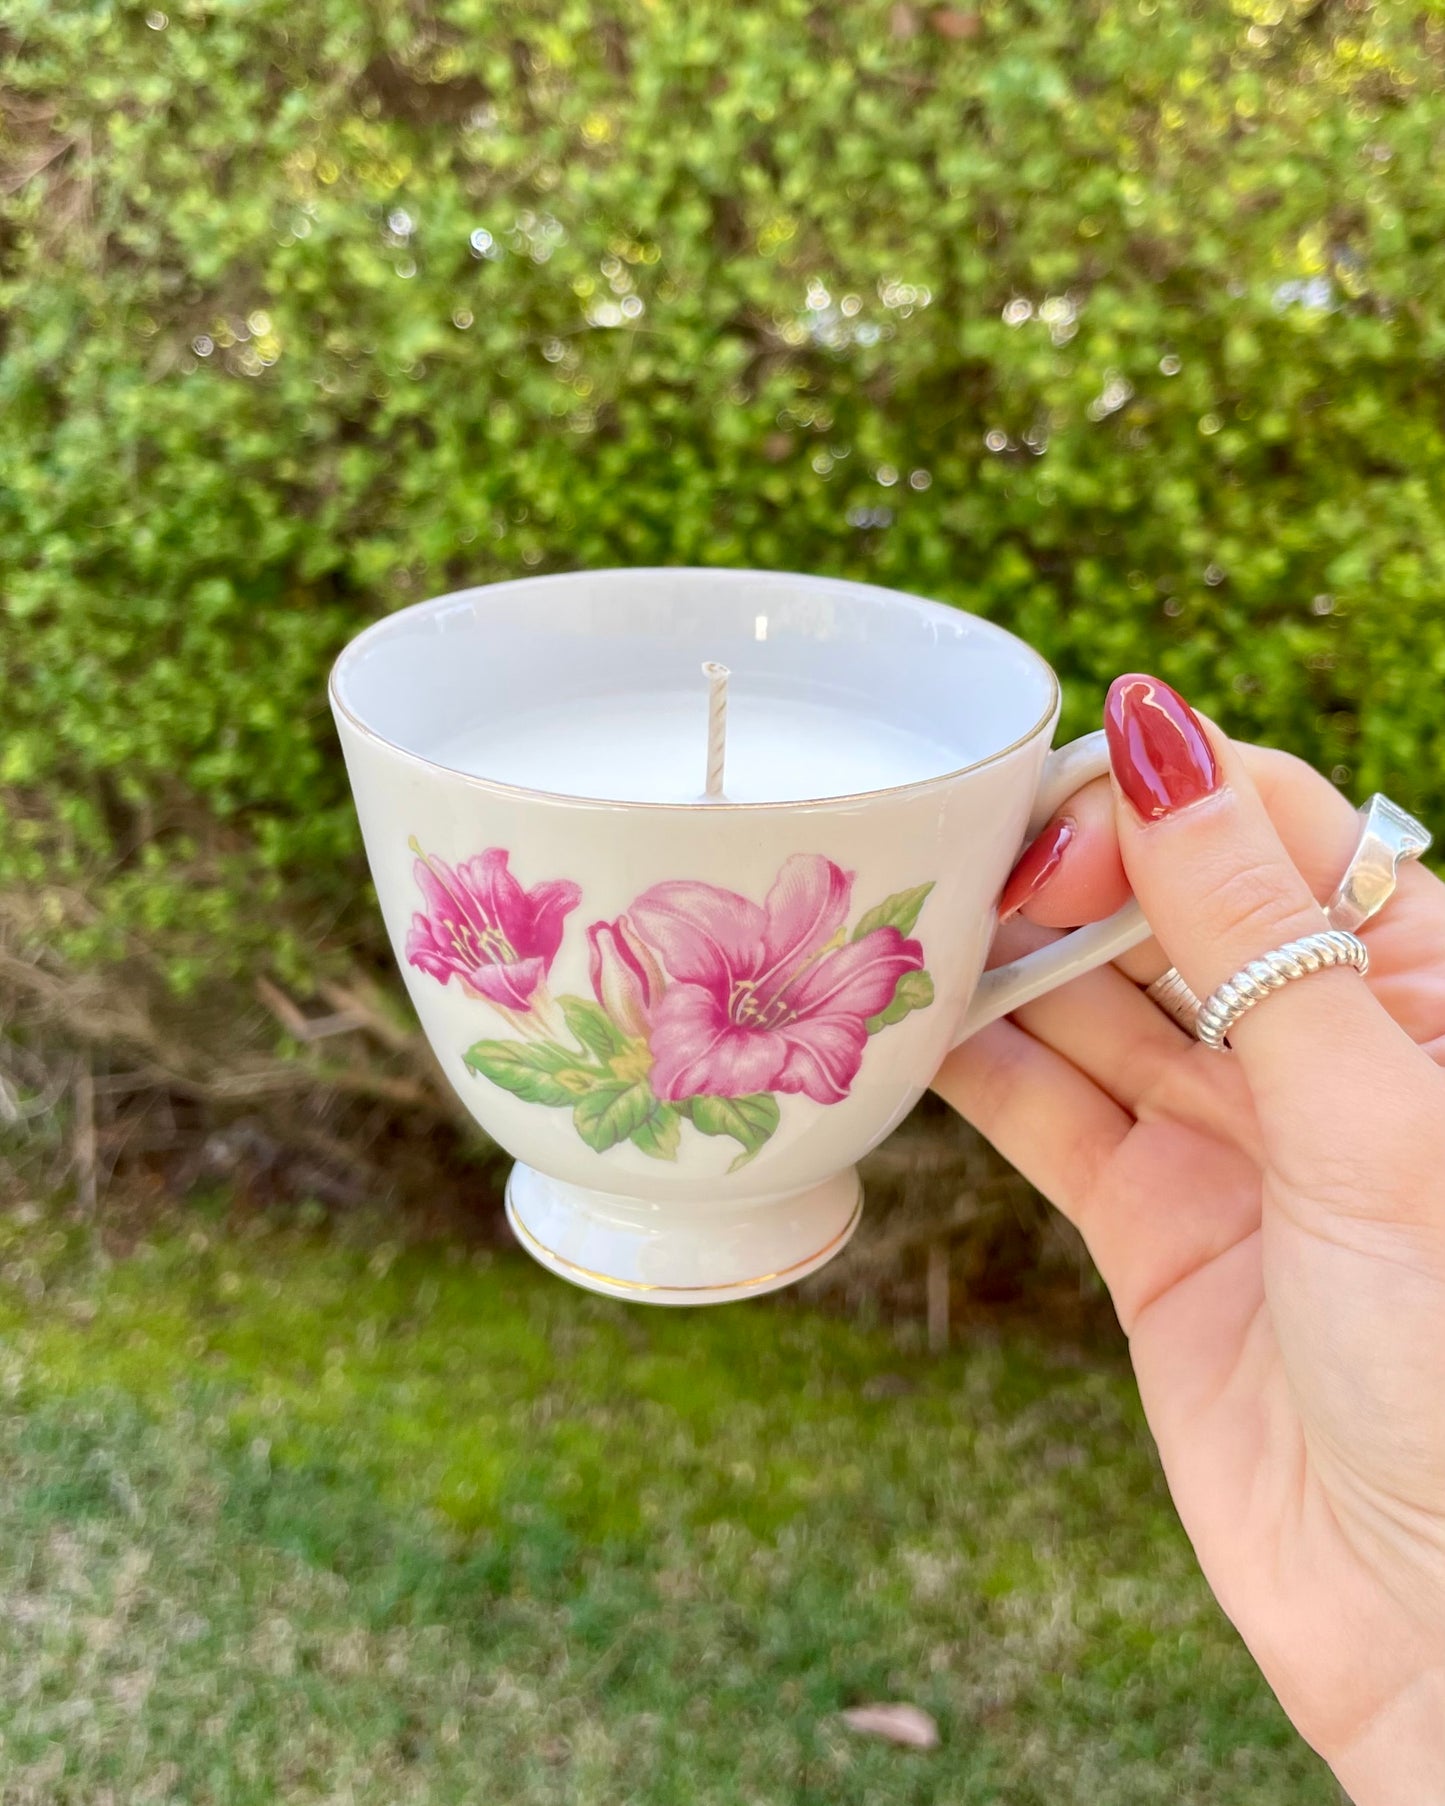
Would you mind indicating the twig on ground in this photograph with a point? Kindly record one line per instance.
(939, 1297)
(299, 1025)
(367, 1003)
(85, 1139)
(37, 166)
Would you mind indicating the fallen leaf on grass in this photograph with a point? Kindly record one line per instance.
(899, 1723)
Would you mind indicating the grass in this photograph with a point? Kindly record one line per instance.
(288, 1518)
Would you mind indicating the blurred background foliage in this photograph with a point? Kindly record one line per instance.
(1119, 321)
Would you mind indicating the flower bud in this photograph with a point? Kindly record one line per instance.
(626, 977)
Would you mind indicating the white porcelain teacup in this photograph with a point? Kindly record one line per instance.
(688, 1019)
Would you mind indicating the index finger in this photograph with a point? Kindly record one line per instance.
(1316, 822)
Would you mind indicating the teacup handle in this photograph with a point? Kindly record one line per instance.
(1009, 987)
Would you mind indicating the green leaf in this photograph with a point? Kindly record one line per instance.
(537, 1072)
(914, 992)
(749, 1120)
(899, 911)
(612, 1111)
(661, 1134)
(592, 1026)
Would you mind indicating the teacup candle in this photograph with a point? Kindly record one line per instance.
(689, 942)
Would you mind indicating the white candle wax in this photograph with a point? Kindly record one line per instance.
(653, 748)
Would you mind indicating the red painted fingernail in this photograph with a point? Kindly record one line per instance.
(1157, 747)
(1038, 865)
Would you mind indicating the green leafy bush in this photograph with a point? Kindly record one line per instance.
(1120, 322)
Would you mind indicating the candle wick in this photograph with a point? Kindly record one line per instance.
(717, 726)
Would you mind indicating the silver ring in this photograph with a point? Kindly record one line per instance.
(1254, 982)
(1388, 837)
(1175, 998)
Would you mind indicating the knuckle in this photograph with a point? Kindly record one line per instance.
(1286, 768)
(1250, 912)
(1166, 1084)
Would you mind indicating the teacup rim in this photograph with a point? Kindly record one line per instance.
(523, 793)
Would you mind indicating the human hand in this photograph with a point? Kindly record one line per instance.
(1270, 1222)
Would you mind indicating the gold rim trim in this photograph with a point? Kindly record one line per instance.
(733, 1285)
(522, 792)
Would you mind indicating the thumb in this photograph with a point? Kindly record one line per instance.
(1219, 890)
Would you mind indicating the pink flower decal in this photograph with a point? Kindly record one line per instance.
(768, 998)
(705, 1005)
(626, 980)
(482, 928)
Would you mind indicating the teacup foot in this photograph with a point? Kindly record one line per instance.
(654, 1254)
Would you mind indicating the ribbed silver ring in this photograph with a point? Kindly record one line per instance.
(1389, 836)
(1254, 982)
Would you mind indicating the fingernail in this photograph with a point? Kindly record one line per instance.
(1157, 747)
(1038, 865)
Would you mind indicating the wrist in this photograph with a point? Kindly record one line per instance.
(1398, 1759)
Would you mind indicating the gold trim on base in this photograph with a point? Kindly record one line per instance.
(638, 1285)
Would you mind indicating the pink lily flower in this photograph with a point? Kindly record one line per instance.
(761, 999)
(626, 979)
(482, 928)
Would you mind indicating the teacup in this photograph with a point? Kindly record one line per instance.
(688, 1017)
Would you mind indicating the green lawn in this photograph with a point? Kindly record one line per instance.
(288, 1518)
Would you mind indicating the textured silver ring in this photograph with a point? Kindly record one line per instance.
(1256, 981)
(1388, 837)
(1175, 998)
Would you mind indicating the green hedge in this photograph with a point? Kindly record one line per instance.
(1122, 322)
